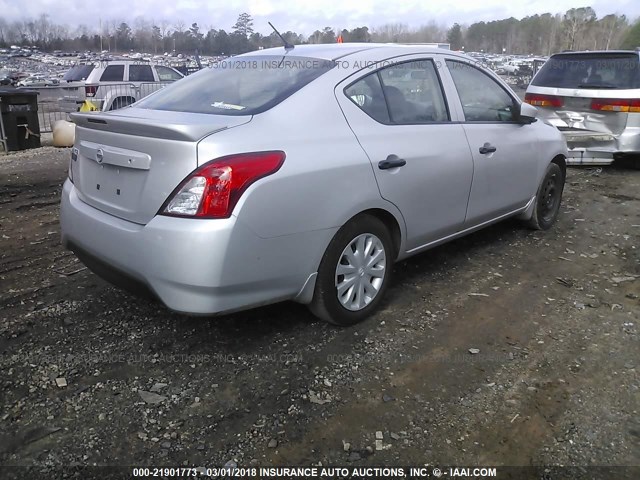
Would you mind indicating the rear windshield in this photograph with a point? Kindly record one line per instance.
(77, 73)
(598, 71)
(239, 86)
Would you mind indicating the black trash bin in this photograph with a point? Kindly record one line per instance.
(19, 124)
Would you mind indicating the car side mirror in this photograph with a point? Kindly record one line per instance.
(527, 114)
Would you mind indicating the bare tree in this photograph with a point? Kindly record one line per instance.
(391, 32)
(114, 31)
(431, 32)
(165, 32)
(142, 33)
(3, 31)
(575, 21)
(179, 26)
(611, 29)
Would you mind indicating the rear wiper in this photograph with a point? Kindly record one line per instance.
(595, 85)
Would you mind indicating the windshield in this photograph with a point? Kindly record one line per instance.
(597, 71)
(239, 86)
(77, 73)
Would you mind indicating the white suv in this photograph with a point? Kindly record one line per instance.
(118, 83)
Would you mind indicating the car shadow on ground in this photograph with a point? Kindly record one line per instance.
(244, 330)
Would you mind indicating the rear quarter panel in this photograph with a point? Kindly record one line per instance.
(551, 143)
(326, 177)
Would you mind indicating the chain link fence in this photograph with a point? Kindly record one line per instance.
(57, 102)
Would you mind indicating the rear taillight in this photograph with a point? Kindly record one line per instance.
(90, 90)
(616, 105)
(213, 190)
(539, 100)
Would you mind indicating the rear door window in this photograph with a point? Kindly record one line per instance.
(590, 71)
(140, 73)
(113, 73)
(404, 94)
(413, 93)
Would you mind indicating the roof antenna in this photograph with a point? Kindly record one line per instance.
(287, 45)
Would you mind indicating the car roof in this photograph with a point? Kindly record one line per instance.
(131, 61)
(335, 51)
(596, 52)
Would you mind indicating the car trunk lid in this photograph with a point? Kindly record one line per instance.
(128, 162)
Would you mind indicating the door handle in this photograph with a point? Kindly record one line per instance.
(487, 148)
(392, 161)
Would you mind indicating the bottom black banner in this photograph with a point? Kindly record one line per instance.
(291, 472)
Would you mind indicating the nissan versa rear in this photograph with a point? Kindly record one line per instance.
(303, 174)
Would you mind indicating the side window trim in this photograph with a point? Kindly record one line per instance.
(141, 70)
(160, 70)
(514, 100)
(113, 68)
(436, 66)
(384, 111)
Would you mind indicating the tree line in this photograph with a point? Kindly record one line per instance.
(576, 29)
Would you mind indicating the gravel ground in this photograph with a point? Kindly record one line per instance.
(507, 347)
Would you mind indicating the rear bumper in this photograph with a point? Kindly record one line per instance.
(586, 147)
(192, 266)
(585, 156)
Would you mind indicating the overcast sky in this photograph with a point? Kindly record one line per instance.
(299, 15)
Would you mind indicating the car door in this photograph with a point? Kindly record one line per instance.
(420, 158)
(504, 150)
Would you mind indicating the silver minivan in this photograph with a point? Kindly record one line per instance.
(594, 99)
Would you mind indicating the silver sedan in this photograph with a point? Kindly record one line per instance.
(303, 174)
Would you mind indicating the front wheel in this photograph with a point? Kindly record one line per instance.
(548, 199)
(354, 272)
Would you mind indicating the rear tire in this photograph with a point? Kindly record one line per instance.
(354, 272)
(631, 161)
(548, 199)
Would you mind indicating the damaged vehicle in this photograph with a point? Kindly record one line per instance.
(594, 99)
(304, 173)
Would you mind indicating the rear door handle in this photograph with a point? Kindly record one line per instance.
(487, 148)
(392, 161)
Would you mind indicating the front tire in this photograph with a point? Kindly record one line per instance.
(354, 272)
(548, 199)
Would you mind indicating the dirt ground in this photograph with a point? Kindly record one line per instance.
(92, 376)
